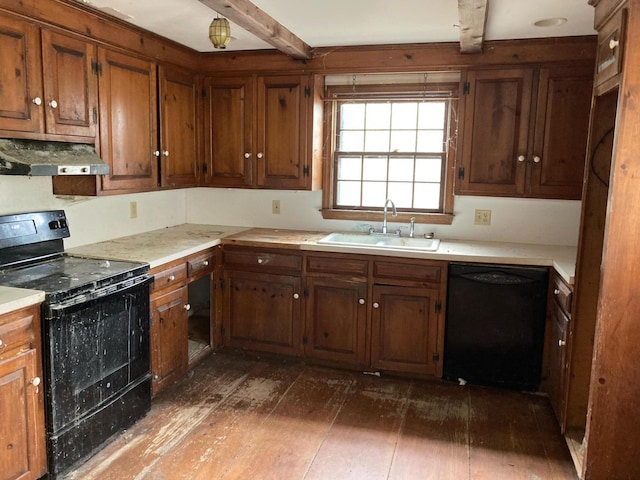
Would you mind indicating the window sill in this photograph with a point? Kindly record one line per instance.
(376, 216)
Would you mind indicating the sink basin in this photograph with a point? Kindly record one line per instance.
(397, 243)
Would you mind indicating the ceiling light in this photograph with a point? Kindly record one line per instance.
(220, 32)
(550, 22)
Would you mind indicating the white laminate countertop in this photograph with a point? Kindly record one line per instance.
(12, 299)
(158, 247)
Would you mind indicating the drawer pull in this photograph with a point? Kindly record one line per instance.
(206, 263)
(556, 291)
(260, 261)
(361, 301)
(171, 278)
(35, 381)
(376, 305)
(296, 296)
(247, 155)
(521, 158)
(613, 43)
(187, 307)
(561, 343)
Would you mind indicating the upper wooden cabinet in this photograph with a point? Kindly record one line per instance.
(525, 132)
(49, 82)
(178, 127)
(259, 132)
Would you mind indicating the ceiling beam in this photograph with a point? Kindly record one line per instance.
(246, 15)
(472, 17)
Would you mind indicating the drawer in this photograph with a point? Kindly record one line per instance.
(610, 48)
(201, 264)
(563, 294)
(169, 277)
(337, 264)
(262, 260)
(17, 332)
(414, 271)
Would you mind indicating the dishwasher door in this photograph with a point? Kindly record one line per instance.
(494, 331)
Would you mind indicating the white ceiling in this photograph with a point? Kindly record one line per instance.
(323, 23)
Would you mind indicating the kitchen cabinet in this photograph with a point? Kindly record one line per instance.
(611, 41)
(262, 300)
(183, 314)
(336, 319)
(49, 83)
(525, 131)
(22, 433)
(262, 131)
(179, 148)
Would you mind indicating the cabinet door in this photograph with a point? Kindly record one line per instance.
(70, 85)
(20, 77)
(228, 132)
(263, 312)
(22, 455)
(128, 117)
(557, 361)
(561, 128)
(281, 158)
(404, 331)
(336, 320)
(169, 337)
(495, 132)
(178, 127)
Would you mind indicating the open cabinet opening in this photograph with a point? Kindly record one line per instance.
(200, 315)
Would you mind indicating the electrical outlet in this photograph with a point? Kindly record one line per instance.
(482, 217)
(275, 207)
(133, 209)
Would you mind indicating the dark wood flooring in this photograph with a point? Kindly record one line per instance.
(240, 418)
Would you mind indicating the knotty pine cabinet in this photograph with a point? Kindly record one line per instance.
(22, 431)
(262, 131)
(49, 83)
(525, 131)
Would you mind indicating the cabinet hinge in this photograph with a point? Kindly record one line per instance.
(307, 92)
(305, 292)
(94, 67)
(305, 340)
(204, 93)
(461, 173)
(222, 329)
(305, 170)
(95, 115)
(436, 356)
(466, 88)
(438, 306)
(222, 284)
(204, 168)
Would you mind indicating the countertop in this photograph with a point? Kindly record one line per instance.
(12, 299)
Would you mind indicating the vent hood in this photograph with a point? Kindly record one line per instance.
(38, 158)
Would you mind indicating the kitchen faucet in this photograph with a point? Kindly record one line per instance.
(394, 213)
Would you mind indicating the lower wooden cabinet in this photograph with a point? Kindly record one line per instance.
(22, 433)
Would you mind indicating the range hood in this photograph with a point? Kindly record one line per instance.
(38, 158)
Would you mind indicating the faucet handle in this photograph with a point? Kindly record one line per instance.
(412, 226)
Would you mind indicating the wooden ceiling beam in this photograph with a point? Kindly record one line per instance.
(472, 17)
(248, 16)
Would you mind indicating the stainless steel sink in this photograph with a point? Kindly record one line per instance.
(391, 242)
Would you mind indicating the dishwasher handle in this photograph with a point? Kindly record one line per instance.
(496, 277)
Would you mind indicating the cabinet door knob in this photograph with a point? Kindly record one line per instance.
(556, 291)
(260, 155)
(171, 278)
(613, 43)
(376, 305)
(165, 153)
(247, 155)
(156, 153)
(296, 296)
(206, 263)
(536, 159)
(35, 381)
(260, 261)
(1, 343)
(561, 343)
(361, 301)
(37, 101)
(53, 104)
(521, 158)
(187, 307)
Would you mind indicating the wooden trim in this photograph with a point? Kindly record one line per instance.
(376, 216)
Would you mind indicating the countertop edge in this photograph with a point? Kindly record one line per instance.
(12, 299)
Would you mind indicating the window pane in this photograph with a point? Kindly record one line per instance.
(378, 116)
(374, 194)
(404, 115)
(349, 168)
(351, 141)
(401, 193)
(352, 116)
(428, 169)
(377, 141)
(427, 196)
(401, 169)
(431, 115)
(348, 194)
(375, 168)
(403, 141)
(430, 141)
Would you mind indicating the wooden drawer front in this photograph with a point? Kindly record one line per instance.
(262, 261)
(413, 272)
(610, 48)
(16, 333)
(337, 264)
(169, 278)
(563, 294)
(201, 264)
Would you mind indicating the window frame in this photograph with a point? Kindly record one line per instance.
(335, 94)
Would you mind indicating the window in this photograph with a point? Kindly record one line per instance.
(391, 143)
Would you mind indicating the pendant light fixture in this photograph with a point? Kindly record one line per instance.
(220, 32)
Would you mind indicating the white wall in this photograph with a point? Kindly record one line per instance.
(553, 222)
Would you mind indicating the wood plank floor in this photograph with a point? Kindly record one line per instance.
(240, 418)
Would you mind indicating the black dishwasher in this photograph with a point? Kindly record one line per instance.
(494, 330)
